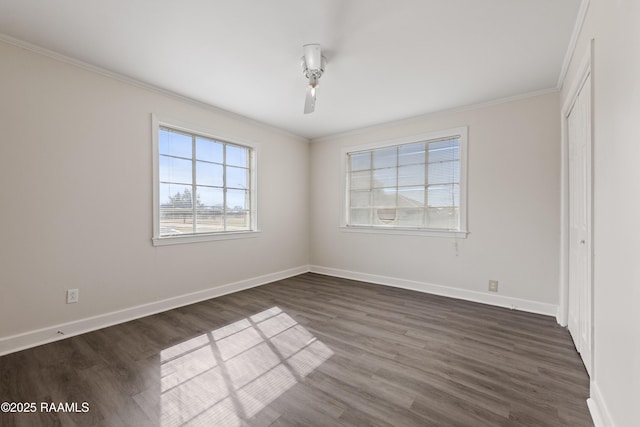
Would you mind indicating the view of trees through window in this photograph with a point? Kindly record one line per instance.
(205, 185)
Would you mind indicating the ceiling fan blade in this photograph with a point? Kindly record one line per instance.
(310, 100)
(313, 56)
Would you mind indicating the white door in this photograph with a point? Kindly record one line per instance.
(580, 242)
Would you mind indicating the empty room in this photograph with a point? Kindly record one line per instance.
(329, 213)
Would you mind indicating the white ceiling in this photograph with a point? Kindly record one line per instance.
(387, 60)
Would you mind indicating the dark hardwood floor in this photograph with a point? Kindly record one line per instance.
(311, 350)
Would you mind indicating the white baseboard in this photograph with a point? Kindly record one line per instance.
(598, 408)
(562, 317)
(447, 291)
(46, 335)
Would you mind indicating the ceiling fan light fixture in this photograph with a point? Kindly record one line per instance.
(313, 56)
(313, 65)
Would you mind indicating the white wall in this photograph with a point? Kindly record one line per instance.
(513, 208)
(615, 27)
(75, 150)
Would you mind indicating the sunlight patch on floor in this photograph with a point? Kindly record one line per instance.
(232, 373)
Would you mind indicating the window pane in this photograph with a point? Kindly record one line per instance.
(411, 175)
(209, 211)
(443, 218)
(384, 197)
(410, 217)
(385, 157)
(360, 180)
(237, 200)
(360, 199)
(176, 213)
(174, 144)
(385, 177)
(443, 151)
(238, 221)
(360, 161)
(360, 217)
(385, 216)
(175, 196)
(237, 156)
(209, 174)
(443, 195)
(208, 222)
(210, 198)
(411, 154)
(411, 197)
(209, 150)
(238, 217)
(175, 170)
(237, 177)
(444, 173)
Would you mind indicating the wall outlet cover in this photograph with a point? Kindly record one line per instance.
(73, 296)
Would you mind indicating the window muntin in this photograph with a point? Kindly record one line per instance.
(204, 186)
(413, 185)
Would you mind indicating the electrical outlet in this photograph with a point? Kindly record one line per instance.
(493, 285)
(73, 296)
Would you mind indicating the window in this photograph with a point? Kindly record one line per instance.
(204, 186)
(417, 184)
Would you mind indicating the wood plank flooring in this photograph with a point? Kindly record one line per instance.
(311, 350)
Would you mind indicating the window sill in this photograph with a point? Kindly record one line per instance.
(405, 231)
(197, 238)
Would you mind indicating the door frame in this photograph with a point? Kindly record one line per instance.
(585, 70)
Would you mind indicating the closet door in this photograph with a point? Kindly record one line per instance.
(580, 213)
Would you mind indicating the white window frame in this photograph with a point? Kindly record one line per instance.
(157, 240)
(462, 232)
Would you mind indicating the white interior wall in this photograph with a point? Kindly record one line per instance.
(513, 209)
(76, 209)
(615, 28)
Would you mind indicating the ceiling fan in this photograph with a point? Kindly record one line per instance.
(313, 65)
